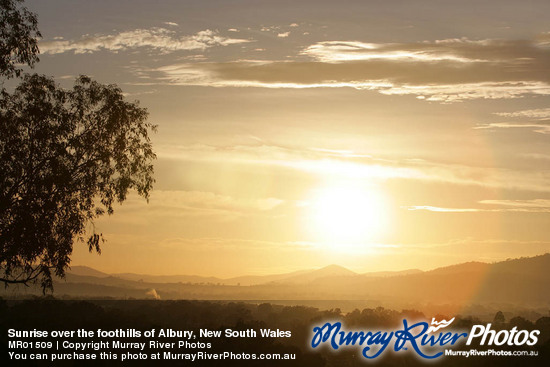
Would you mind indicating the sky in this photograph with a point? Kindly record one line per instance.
(377, 135)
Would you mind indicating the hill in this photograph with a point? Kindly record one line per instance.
(516, 283)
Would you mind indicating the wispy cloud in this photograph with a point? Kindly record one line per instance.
(440, 209)
(539, 113)
(270, 28)
(216, 243)
(161, 39)
(537, 120)
(179, 203)
(443, 71)
(543, 39)
(287, 75)
(511, 206)
(339, 51)
(207, 202)
(313, 161)
(357, 165)
(466, 91)
(538, 128)
(534, 203)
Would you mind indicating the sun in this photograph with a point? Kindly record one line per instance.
(346, 214)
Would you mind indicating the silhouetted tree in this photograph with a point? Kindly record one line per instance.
(18, 34)
(499, 319)
(521, 323)
(66, 156)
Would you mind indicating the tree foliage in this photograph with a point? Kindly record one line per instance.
(499, 318)
(18, 37)
(66, 156)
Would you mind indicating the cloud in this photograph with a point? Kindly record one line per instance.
(260, 74)
(538, 128)
(434, 77)
(439, 209)
(444, 71)
(161, 39)
(239, 244)
(268, 204)
(339, 51)
(179, 203)
(269, 28)
(210, 203)
(543, 39)
(482, 90)
(314, 161)
(297, 75)
(539, 114)
(510, 206)
(537, 120)
(283, 34)
(357, 165)
(515, 55)
(536, 156)
(259, 153)
(534, 203)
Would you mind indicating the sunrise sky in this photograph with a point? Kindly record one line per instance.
(378, 135)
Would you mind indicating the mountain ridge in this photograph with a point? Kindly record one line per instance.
(332, 270)
(298, 276)
(522, 282)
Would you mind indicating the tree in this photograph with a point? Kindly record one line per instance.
(66, 156)
(499, 319)
(521, 323)
(18, 34)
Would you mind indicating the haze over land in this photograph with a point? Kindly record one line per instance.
(518, 285)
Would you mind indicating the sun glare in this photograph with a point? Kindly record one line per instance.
(348, 214)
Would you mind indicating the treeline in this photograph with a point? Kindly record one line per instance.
(50, 314)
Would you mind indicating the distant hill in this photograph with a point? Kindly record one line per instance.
(86, 271)
(472, 266)
(520, 282)
(168, 278)
(309, 276)
(262, 279)
(392, 273)
(301, 276)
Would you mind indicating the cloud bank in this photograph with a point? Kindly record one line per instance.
(445, 70)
